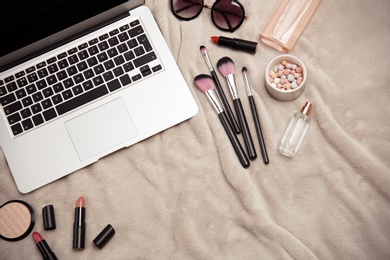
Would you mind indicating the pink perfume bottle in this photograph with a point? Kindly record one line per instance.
(295, 132)
(287, 22)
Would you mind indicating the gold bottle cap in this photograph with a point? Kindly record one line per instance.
(306, 109)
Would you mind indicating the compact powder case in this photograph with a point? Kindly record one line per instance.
(16, 220)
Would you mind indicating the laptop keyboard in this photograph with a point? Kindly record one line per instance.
(60, 84)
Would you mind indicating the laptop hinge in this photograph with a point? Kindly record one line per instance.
(64, 41)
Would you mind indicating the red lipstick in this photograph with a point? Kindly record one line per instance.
(79, 224)
(43, 247)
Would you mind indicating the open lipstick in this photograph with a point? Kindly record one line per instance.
(226, 67)
(43, 247)
(206, 84)
(255, 116)
(219, 88)
(79, 224)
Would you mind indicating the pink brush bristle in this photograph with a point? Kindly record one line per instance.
(244, 71)
(202, 48)
(225, 66)
(204, 82)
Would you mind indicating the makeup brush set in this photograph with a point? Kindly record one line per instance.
(207, 84)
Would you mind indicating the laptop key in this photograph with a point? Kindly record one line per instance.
(51, 60)
(135, 31)
(32, 77)
(46, 103)
(134, 23)
(52, 68)
(22, 82)
(26, 113)
(42, 73)
(88, 74)
(21, 93)
(145, 59)
(114, 85)
(27, 101)
(12, 119)
(82, 99)
(87, 85)
(145, 42)
(67, 94)
(49, 114)
(113, 41)
(27, 124)
(17, 129)
(58, 87)
(31, 89)
(14, 107)
(8, 99)
(41, 84)
(57, 99)
(31, 69)
(93, 50)
(11, 86)
(38, 119)
(125, 80)
(118, 71)
(63, 64)
(36, 108)
(37, 96)
(3, 91)
(20, 74)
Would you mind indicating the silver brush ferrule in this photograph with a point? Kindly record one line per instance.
(207, 60)
(247, 86)
(232, 85)
(214, 100)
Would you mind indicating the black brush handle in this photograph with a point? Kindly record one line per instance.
(225, 103)
(245, 129)
(234, 140)
(258, 129)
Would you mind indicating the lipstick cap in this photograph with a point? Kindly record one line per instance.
(104, 236)
(49, 220)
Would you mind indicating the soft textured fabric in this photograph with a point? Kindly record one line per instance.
(182, 194)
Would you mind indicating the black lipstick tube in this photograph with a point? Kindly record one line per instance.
(238, 44)
(79, 228)
(45, 250)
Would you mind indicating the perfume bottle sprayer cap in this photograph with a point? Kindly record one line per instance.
(306, 109)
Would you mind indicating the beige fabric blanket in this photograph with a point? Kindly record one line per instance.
(182, 194)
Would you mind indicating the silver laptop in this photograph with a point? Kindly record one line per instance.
(80, 80)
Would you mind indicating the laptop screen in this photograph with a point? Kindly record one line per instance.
(24, 23)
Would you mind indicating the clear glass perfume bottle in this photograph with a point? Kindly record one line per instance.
(295, 132)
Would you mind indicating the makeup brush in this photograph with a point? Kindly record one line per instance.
(206, 84)
(255, 116)
(226, 67)
(221, 93)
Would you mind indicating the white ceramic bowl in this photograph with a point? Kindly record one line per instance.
(281, 94)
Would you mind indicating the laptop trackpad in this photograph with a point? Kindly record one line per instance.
(101, 129)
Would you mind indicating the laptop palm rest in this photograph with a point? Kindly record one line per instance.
(101, 129)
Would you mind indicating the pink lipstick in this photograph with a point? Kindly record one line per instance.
(43, 247)
(79, 224)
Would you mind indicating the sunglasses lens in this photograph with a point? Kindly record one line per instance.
(187, 9)
(228, 15)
